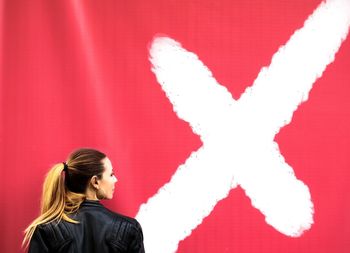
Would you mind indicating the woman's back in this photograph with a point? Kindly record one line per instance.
(98, 230)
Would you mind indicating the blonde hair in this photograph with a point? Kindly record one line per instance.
(63, 188)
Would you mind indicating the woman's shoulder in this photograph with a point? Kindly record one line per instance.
(128, 224)
(126, 232)
(53, 234)
(51, 228)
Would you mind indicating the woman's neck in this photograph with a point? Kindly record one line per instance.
(90, 194)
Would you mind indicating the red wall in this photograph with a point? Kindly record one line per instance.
(76, 73)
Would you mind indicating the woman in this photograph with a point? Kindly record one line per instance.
(72, 219)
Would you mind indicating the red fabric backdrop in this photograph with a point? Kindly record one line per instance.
(76, 73)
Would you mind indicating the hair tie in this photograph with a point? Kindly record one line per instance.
(65, 167)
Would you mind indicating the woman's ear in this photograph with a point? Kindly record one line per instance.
(94, 182)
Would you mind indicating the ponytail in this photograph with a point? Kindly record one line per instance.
(57, 202)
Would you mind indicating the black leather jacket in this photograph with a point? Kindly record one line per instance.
(99, 230)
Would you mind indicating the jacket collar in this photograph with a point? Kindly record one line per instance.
(95, 203)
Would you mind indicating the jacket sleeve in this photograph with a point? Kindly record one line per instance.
(126, 236)
(50, 237)
(136, 245)
(37, 243)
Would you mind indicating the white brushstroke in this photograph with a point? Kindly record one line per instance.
(238, 136)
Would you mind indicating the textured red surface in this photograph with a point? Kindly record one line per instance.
(76, 73)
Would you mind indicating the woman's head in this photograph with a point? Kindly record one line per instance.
(82, 165)
(89, 171)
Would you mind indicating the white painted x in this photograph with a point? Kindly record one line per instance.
(238, 136)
